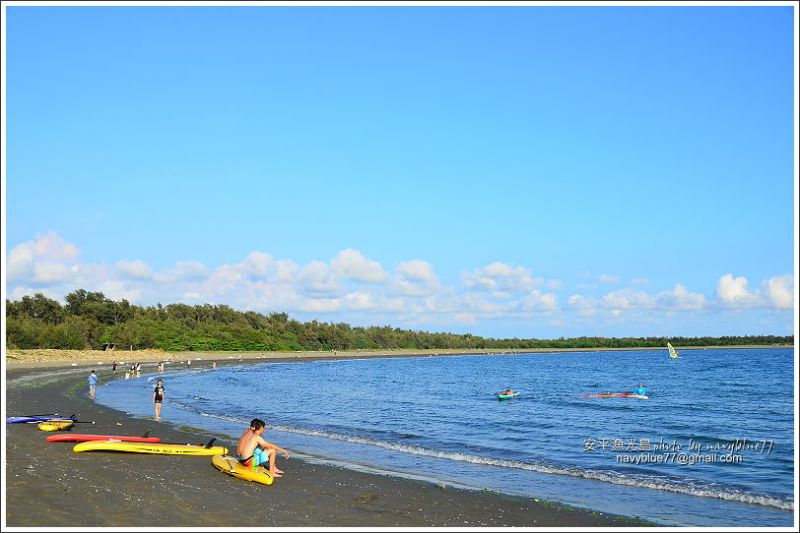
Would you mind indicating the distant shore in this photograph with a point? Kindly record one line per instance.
(47, 485)
(37, 358)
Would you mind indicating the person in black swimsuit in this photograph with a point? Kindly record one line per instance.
(158, 397)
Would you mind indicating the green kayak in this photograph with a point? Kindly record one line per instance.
(507, 396)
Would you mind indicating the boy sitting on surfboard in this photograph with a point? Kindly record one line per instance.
(253, 451)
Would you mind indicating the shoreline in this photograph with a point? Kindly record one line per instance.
(46, 482)
(39, 358)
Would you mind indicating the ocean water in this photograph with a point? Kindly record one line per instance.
(713, 446)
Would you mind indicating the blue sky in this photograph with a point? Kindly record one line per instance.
(505, 171)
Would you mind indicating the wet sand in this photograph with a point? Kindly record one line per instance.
(47, 485)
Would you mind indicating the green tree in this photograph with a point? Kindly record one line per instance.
(37, 307)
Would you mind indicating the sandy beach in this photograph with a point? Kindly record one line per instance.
(47, 485)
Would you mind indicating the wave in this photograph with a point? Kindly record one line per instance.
(616, 478)
(597, 475)
(236, 419)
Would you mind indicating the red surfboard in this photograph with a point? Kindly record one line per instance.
(67, 437)
(608, 395)
(616, 395)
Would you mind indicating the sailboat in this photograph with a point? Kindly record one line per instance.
(672, 352)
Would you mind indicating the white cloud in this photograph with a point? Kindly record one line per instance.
(116, 290)
(18, 292)
(359, 300)
(477, 303)
(320, 305)
(89, 276)
(536, 301)
(394, 305)
(465, 318)
(350, 264)
(189, 270)
(681, 298)
(134, 269)
(258, 265)
(583, 305)
(286, 270)
(221, 281)
(183, 271)
(609, 280)
(317, 278)
(629, 299)
(500, 277)
(45, 259)
(733, 292)
(48, 273)
(415, 278)
(52, 246)
(780, 291)
(417, 270)
(20, 263)
(412, 293)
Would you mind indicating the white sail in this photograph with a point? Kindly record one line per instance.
(672, 352)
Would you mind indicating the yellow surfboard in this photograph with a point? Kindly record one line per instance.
(146, 447)
(55, 425)
(231, 465)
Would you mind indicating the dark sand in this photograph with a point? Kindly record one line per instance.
(47, 485)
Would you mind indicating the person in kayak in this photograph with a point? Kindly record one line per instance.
(252, 450)
(640, 390)
(507, 392)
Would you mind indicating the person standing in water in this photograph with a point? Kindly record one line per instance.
(158, 398)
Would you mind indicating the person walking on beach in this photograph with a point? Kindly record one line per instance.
(252, 450)
(114, 367)
(158, 398)
(92, 384)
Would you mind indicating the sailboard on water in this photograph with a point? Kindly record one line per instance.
(672, 353)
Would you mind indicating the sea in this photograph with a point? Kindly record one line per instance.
(712, 446)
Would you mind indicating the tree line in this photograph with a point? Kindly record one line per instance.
(89, 320)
